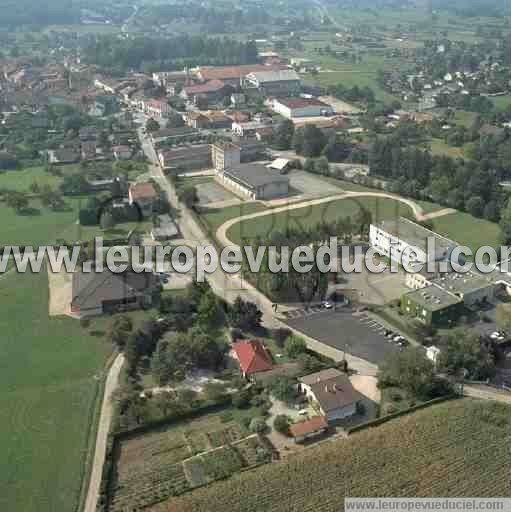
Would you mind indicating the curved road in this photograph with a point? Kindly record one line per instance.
(105, 421)
(418, 211)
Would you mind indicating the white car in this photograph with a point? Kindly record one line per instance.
(327, 305)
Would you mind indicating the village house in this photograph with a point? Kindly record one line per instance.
(122, 152)
(196, 120)
(63, 156)
(308, 429)
(211, 91)
(143, 195)
(225, 155)
(157, 109)
(332, 392)
(89, 150)
(253, 358)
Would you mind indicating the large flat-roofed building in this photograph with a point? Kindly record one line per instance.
(274, 83)
(301, 107)
(254, 181)
(431, 305)
(405, 242)
(189, 158)
(231, 75)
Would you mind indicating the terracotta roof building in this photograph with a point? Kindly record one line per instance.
(333, 391)
(252, 357)
(304, 430)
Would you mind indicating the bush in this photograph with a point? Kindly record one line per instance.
(295, 346)
(257, 425)
(281, 424)
(280, 335)
(236, 334)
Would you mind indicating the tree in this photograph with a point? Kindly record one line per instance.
(504, 317)
(107, 221)
(465, 350)
(322, 166)
(188, 196)
(152, 125)
(281, 424)
(119, 329)
(283, 136)
(245, 315)
(214, 391)
(410, 370)
(313, 141)
(280, 335)
(175, 121)
(209, 314)
(283, 388)
(16, 200)
(257, 425)
(295, 346)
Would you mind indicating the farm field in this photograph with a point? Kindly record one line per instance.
(308, 217)
(48, 391)
(171, 461)
(451, 449)
(467, 230)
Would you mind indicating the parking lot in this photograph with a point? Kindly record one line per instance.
(357, 333)
(311, 186)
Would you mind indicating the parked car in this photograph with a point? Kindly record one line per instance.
(327, 305)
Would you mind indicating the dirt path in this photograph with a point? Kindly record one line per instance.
(487, 393)
(60, 289)
(104, 424)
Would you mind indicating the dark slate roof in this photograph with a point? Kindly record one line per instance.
(254, 175)
(90, 290)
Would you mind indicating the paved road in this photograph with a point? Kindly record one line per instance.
(105, 421)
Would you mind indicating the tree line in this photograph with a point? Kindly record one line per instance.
(169, 53)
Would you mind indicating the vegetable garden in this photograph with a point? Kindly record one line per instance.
(168, 462)
(459, 448)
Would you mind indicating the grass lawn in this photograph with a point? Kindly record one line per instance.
(467, 230)
(440, 148)
(502, 102)
(48, 390)
(308, 217)
(44, 226)
(450, 449)
(21, 180)
(464, 118)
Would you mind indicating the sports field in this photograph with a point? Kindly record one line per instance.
(308, 217)
(460, 448)
(48, 386)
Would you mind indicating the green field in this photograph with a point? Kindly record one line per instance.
(308, 217)
(441, 148)
(467, 230)
(455, 449)
(48, 389)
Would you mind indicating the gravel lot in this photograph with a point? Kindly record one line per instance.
(212, 192)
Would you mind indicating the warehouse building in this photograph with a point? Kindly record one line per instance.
(301, 107)
(274, 83)
(254, 181)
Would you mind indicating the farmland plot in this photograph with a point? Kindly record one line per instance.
(457, 449)
(169, 462)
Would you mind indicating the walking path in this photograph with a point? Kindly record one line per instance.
(105, 421)
(418, 211)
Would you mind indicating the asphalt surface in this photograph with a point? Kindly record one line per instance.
(341, 330)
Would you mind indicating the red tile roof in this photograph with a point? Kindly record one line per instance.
(302, 102)
(142, 191)
(252, 356)
(304, 428)
(211, 86)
